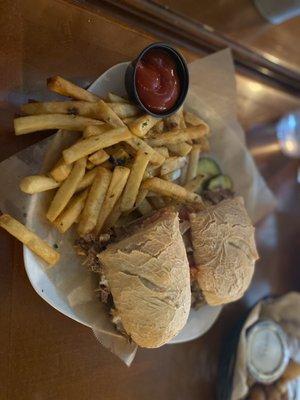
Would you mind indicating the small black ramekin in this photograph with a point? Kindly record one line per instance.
(183, 74)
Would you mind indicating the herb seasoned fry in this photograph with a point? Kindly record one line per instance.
(193, 119)
(142, 194)
(196, 184)
(163, 151)
(95, 143)
(140, 144)
(71, 213)
(181, 149)
(134, 180)
(107, 114)
(113, 98)
(66, 190)
(114, 216)
(61, 170)
(89, 131)
(89, 165)
(128, 120)
(94, 201)
(171, 164)
(117, 184)
(37, 183)
(29, 239)
(61, 86)
(142, 125)
(193, 162)
(191, 133)
(172, 190)
(83, 108)
(124, 110)
(98, 157)
(34, 123)
(87, 180)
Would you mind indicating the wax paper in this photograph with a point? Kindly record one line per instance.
(68, 286)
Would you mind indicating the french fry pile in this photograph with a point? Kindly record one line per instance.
(125, 162)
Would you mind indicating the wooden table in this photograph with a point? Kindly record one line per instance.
(43, 354)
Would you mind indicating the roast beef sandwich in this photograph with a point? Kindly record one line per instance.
(147, 273)
(224, 250)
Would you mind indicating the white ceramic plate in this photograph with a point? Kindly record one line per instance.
(52, 286)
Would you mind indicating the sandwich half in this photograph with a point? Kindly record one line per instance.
(224, 250)
(147, 273)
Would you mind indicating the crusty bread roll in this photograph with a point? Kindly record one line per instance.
(224, 250)
(148, 275)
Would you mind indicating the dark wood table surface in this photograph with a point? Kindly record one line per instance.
(43, 354)
(240, 21)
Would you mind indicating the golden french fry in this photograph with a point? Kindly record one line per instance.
(171, 164)
(143, 124)
(87, 180)
(89, 165)
(159, 126)
(117, 184)
(171, 189)
(191, 133)
(172, 176)
(183, 174)
(145, 208)
(181, 149)
(173, 121)
(83, 108)
(33, 123)
(142, 194)
(193, 162)
(66, 190)
(99, 157)
(139, 144)
(163, 151)
(134, 180)
(89, 131)
(196, 184)
(61, 86)
(29, 239)
(107, 114)
(128, 120)
(61, 170)
(71, 213)
(193, 119)
(94, 201)
(114, 98)
(37, 183)
(108, 165)
(114, 216)
(182, 123)
(124, 110)
(95, 143)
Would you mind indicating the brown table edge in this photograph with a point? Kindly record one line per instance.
(172, 26)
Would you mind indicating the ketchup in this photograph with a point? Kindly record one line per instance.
(157, 81)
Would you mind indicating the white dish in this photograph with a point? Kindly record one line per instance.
(56, 285)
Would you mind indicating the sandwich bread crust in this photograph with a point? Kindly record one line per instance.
(224, 250)
(148, 275)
